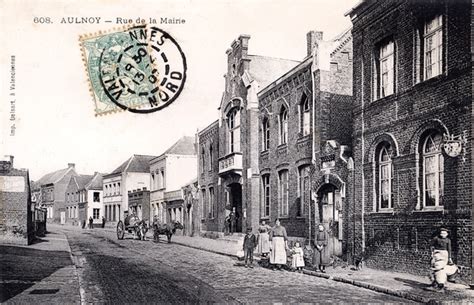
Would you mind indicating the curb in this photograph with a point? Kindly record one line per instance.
(400, 294)
(76, 273)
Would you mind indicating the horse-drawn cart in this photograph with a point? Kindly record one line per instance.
(132, 224)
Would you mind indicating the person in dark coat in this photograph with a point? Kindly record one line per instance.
(321, 256)
(250, 242)
(103, 222)
(233, 221)
(90, 222)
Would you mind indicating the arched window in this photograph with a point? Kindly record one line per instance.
(304, 115)
(433, 171)
(283, 125)
(283, 193)
(265, 134)
(203, 156)
(234, 130)
(304, 188)
(265, 195)
(385, 177)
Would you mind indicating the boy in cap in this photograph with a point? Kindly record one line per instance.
(250, 242)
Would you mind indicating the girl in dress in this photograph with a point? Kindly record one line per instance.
(297, 261)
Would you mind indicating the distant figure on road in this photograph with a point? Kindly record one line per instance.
(264, 239)
(103, 222)
(250, 242)
(279, 245)
(91, 221)
(321, 256)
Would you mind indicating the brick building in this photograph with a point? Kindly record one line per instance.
(75, 198)
(305, 114)
(50, 192)
(16, 213)
(412, 127)
(139, 203)
(234, 141)
(192, 220)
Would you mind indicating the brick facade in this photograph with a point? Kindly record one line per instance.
(393, 231)
(139, 203)
(16, 216)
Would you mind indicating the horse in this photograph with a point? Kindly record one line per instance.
(165, 229)
(136, 226)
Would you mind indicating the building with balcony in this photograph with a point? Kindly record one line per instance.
(169, 172)
(413, 124)
(228, 149)
(304, 141)
(130, 175)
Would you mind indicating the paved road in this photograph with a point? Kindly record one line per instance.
(124, 271)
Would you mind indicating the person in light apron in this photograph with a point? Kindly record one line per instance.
(442, 264)
(264, 239)
(279, 245)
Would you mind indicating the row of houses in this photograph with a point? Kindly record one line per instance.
(368, 135)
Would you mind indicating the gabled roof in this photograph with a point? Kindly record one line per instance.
(266, 69)
(53, 177)
(82, 180)
(184, 146)
(135, 164)
(96, 182)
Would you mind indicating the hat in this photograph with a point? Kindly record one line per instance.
(249, 229)
(443, 229)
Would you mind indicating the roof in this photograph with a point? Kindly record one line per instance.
(96, 182)
(52, 177)
(82, 180)
(266, 69)
(184, 146)
(135, 164)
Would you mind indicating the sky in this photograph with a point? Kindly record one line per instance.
(54, 110)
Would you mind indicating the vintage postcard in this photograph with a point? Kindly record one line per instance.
(250, 151)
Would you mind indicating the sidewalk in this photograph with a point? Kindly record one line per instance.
(42, 273)
(403, 285)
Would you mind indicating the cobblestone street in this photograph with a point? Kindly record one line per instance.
(123, 271)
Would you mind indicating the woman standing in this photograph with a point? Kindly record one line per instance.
(278, 238)
(321, 256)
(264, 239)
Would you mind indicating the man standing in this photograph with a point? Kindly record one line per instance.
(233, 221)
(91, 221)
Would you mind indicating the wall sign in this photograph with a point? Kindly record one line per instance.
(454, 146)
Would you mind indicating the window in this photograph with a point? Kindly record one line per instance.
(385, 178)
(433, 171)
(152, 181)
(212, 208)
(234, 130)
(266, 134)
(266, 195)
(210, 157)
(433, 47)
(203, 158)
(303, 189)
(304, 115)
(384, 76)
(203, 205)
(283, 125)
(96, 197)
(95, 213)
(162, 175)
(283, 193)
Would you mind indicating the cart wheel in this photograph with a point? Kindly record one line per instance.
(120, 230)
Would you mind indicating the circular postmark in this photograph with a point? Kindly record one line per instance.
(142, 69)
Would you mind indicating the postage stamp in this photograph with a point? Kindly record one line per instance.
(140, 69)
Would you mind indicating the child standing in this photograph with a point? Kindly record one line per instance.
(250, 242)
(297, 261)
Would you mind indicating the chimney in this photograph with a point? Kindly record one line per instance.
(11, 160)
(73, 165)
(312, 38)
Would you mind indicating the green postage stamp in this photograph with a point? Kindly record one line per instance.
(140, 69)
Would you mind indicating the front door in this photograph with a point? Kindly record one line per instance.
(330, 215)
(63, 218)
(236, 202)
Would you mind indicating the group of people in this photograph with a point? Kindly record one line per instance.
(272, 243)
(90, 224)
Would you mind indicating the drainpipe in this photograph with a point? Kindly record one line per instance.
(313, 146)
(362, 163)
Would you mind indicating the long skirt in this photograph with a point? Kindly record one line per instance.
(322, 257)
(278, 253)
(440, 267)
(263, 243)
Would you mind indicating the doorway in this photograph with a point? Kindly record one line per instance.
(236, 202)
(330, 216)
